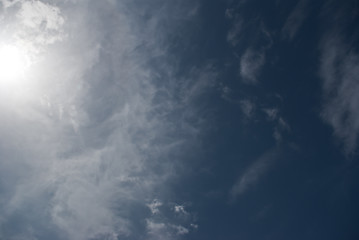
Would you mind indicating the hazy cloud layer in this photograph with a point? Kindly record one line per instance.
(180, 119)
(99, 125)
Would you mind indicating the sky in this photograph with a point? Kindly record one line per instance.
(179, 119)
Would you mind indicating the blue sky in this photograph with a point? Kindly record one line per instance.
(179, 119)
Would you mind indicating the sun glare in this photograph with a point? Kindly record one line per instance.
(13, 63)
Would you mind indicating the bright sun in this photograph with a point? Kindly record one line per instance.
(13, 62)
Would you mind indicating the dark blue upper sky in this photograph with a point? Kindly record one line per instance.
(179, 119)
(305, 184)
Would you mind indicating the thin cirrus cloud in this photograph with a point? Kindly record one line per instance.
(233, 36)
(254, 173)
(251, 64)
(339, 70)
(93, 137)
(295, 20)
(247, 107)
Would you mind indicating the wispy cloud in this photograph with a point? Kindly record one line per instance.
(247, 107)
(253, 173)
(251, 64)
(295, 19)
(255, 39)
(340, 70)
(234, 34)
(281, 126)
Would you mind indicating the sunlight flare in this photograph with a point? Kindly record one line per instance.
(14, 62)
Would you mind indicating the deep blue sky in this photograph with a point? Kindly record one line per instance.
(179, 119)
(309, 190)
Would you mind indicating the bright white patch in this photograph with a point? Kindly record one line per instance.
(13, 63)
(180, 209)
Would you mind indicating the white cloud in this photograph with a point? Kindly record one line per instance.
(36, 14)
(165, 231)
(154, 228)
(154, 205)
(340, 70)
(195, 226)
(181, 230)
(250, 65)
(158, 230)
(180, 209)
(31, 26)
(170, 224)
(9, 3)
